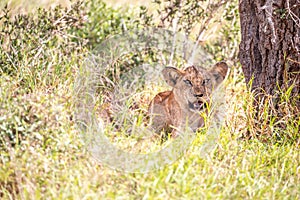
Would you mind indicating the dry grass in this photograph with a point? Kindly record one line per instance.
(52, 161)
(237, 169)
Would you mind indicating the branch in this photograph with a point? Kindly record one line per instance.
(294, 17)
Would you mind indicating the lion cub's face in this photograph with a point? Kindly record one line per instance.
(193, 86)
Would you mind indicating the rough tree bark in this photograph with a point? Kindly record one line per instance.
(270, 46)
(270, 51)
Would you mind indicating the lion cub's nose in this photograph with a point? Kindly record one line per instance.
(198, 95)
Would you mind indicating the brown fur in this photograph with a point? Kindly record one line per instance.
(192, 90)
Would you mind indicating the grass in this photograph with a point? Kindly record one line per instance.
(65, 170)
(51, 162)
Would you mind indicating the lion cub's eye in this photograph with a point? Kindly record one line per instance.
(205, 81)
(188, 82)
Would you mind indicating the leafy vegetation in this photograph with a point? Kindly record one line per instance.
(42, 153)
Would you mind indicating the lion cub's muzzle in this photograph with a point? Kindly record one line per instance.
(198, 105)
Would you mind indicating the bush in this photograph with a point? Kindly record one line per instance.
(38, 55)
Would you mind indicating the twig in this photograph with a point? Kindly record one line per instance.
(294, 17)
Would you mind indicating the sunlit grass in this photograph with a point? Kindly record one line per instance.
(27, 6)
(51, 162)
(237, 169)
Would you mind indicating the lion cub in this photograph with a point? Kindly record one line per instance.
(191, 93)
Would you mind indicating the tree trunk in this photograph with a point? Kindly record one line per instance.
(270, 47)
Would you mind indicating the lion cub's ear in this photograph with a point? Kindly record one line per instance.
(219, 71)
(171, 75)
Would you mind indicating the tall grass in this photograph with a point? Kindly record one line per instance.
(42, 155)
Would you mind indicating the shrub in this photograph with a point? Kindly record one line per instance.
(39, 54)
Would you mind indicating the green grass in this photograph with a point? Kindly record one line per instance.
(48, 159)
(63, 169)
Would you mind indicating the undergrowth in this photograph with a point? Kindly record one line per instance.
(43, 156)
